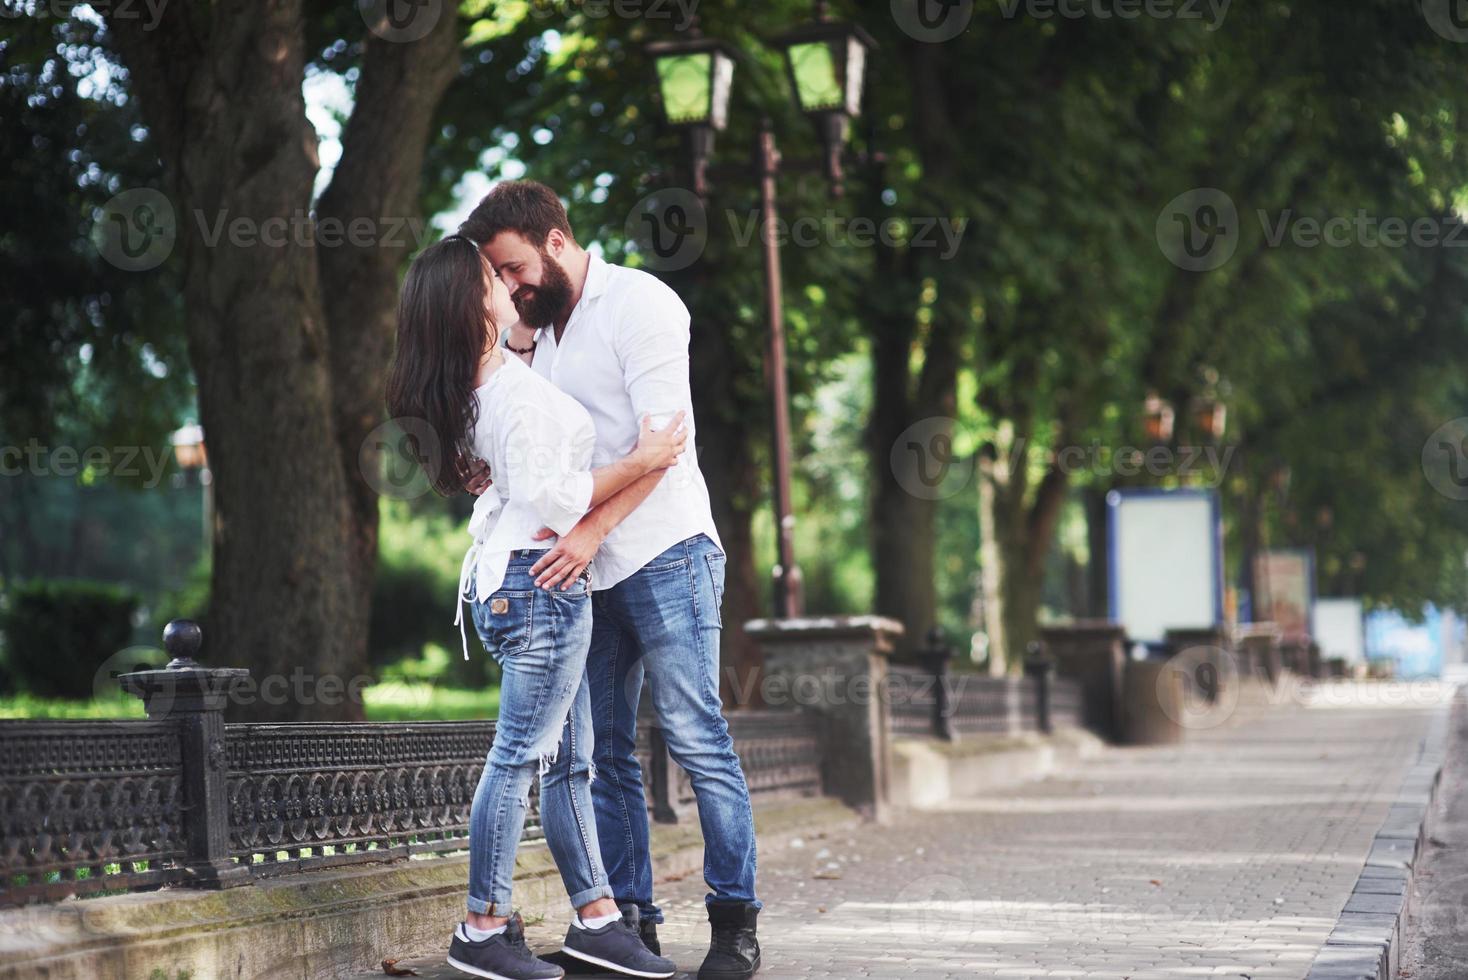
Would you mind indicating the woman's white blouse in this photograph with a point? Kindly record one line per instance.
(538, 442)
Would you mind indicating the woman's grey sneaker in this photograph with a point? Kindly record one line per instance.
(646, 929)
(501, 957)
(734, 947)
(616, 947)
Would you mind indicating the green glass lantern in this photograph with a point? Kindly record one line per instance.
(826, 62)
(694, 79)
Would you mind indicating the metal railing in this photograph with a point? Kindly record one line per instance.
(930, 699)
(97, 806)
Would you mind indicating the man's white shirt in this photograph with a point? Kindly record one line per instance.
(624, 354)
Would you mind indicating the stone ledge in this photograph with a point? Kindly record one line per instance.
(325, 923)
(927, 773)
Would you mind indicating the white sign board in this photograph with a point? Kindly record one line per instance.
(1165, 561)
(1340, 629)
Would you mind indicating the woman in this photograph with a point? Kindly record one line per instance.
(451, 372)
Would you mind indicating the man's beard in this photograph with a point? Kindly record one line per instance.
(539, 306)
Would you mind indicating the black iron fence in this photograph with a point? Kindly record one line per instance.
(930, 699)
(97, 806)
(86, 806)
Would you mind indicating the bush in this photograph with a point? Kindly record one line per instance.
(418, 563)
(59, 633)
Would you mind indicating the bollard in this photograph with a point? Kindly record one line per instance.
(937, 656)
(1041, 669)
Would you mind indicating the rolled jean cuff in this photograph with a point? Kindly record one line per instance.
(584, 898)
(480, 907)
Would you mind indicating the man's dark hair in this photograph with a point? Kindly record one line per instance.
(526, 207)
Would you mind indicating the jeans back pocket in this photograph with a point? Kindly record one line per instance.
(505, 621)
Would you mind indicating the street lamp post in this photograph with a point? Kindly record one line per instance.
(789, 594)
(826, 63)
(188, 449)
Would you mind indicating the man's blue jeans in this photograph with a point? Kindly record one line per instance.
(540, 639)
(664, 622)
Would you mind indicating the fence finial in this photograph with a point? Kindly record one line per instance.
(182, 638)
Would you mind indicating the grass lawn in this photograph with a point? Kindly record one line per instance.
(388, 701)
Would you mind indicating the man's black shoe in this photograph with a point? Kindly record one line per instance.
(646, 929)
(500, 957)
(616, 947)
(733, 947)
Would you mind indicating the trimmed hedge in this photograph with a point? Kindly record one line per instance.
(60, 632)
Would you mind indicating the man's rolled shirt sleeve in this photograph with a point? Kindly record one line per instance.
(652, 342)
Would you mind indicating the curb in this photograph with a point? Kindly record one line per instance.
(1366, 943)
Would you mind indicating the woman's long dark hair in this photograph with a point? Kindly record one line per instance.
(443, 328)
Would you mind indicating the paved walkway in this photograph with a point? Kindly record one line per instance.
(1227, 856)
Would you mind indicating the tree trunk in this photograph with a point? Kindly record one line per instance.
(1097, 583)
(379, 178)
(909, 447)
(294, 532)
(991, 562)
(725, 456)
(1024, 528)
(903, 524)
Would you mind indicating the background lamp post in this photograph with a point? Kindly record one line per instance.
(1209, 411)
(188, 450)
(1158, 417)
(826, 62)
(1209, 415)
(695, 76)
